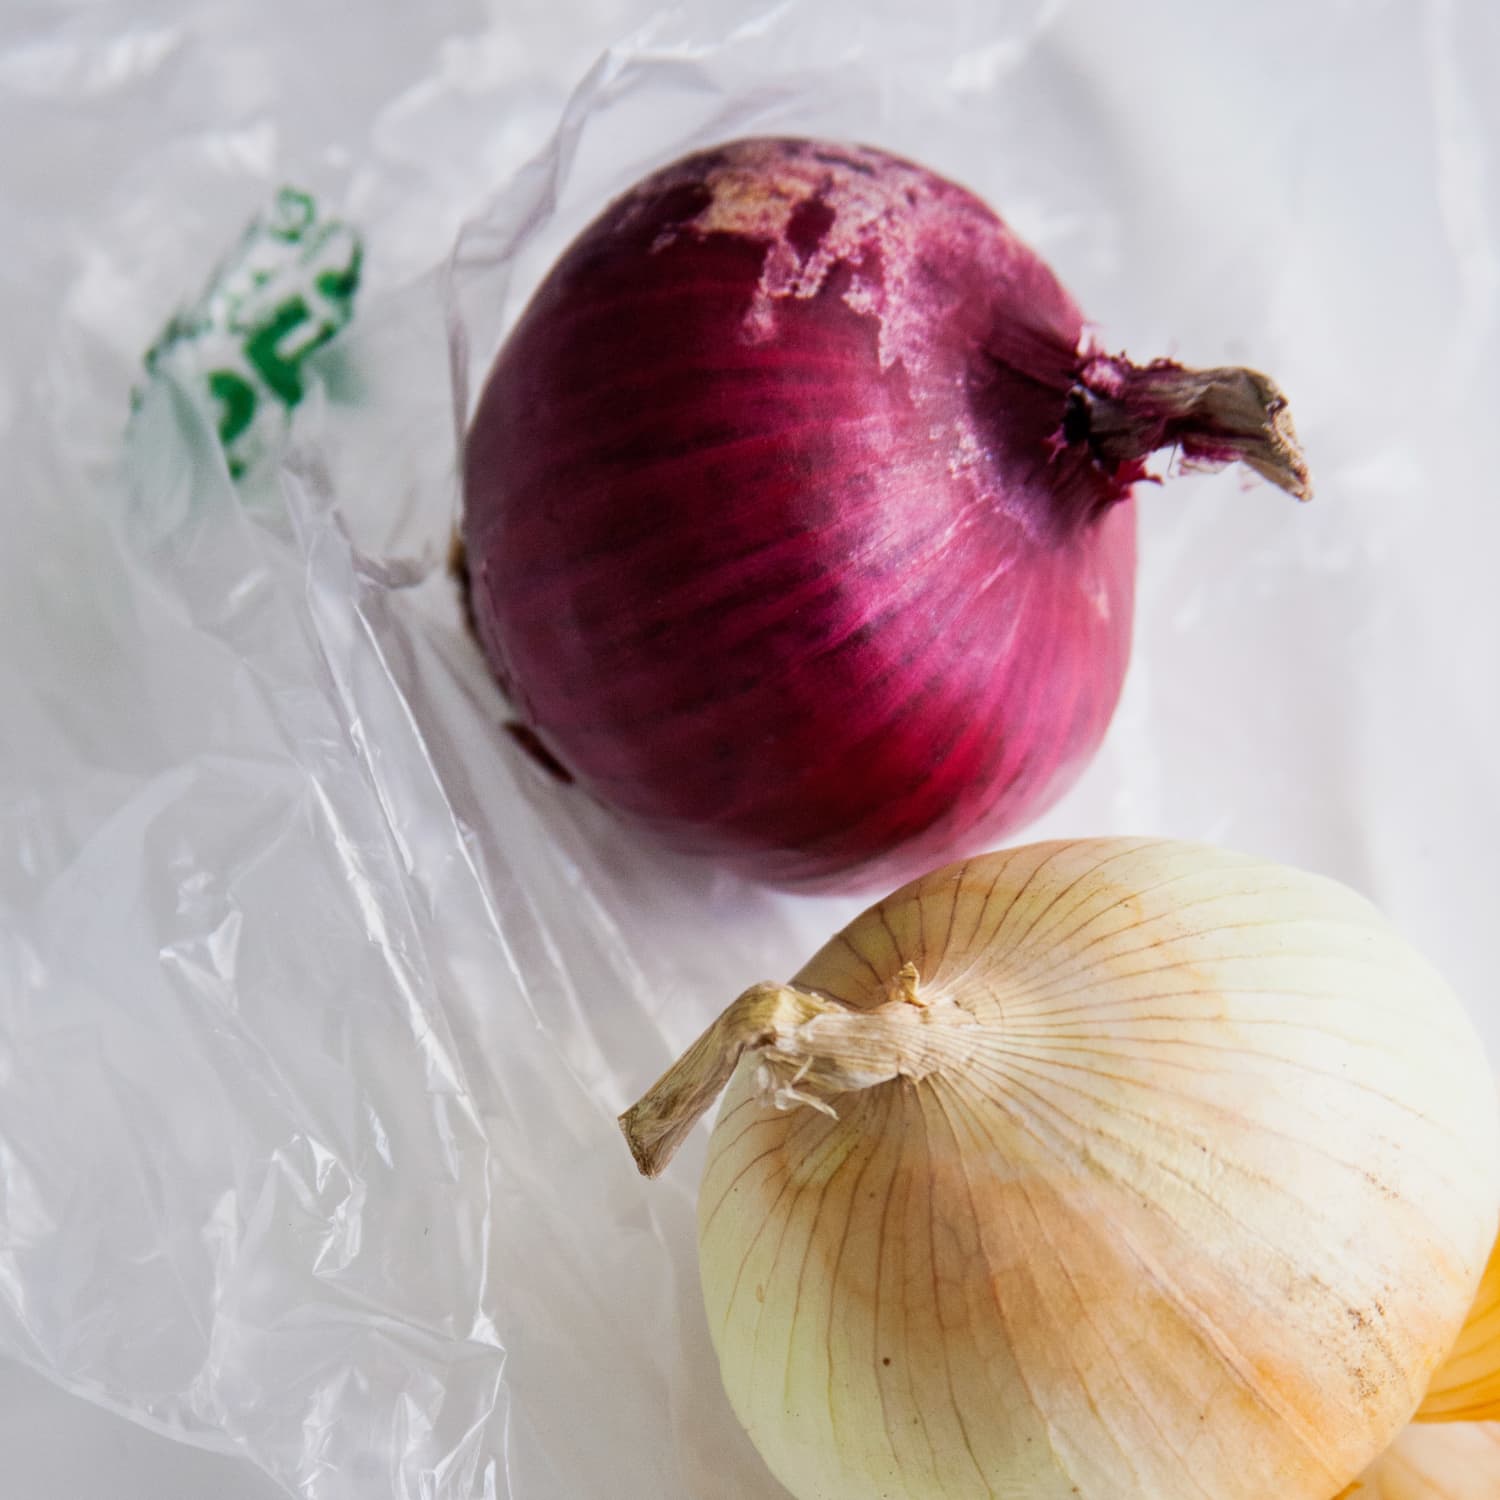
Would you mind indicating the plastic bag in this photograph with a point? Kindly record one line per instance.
(317, 1000)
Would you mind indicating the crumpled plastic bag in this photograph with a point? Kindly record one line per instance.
(317, 998)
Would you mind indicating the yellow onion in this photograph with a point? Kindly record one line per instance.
(1455, 1461)
(1107, 1170)
(1466, 1387)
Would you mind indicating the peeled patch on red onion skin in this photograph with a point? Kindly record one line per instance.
(797, 513)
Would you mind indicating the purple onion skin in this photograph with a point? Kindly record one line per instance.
(777, 537)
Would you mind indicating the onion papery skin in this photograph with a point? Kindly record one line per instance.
(1467, 1386)
(774, 533)
(1196, 1220)
(1449, 1461)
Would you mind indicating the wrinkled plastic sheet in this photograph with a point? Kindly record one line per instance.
(317, 999)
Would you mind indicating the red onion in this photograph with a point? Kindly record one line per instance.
(797, 515)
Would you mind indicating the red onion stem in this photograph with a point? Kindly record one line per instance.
(1219, 416)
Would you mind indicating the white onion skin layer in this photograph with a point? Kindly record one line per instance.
(1448, 1461)
(1466, 1387)
(1197, 1219)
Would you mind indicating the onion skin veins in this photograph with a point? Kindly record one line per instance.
(1115, 1169)
(1467, 1387)
(1452, 1461)
(797, 513)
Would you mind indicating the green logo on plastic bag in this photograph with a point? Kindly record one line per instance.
(284, 291)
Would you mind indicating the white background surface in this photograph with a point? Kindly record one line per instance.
(1319, 687)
